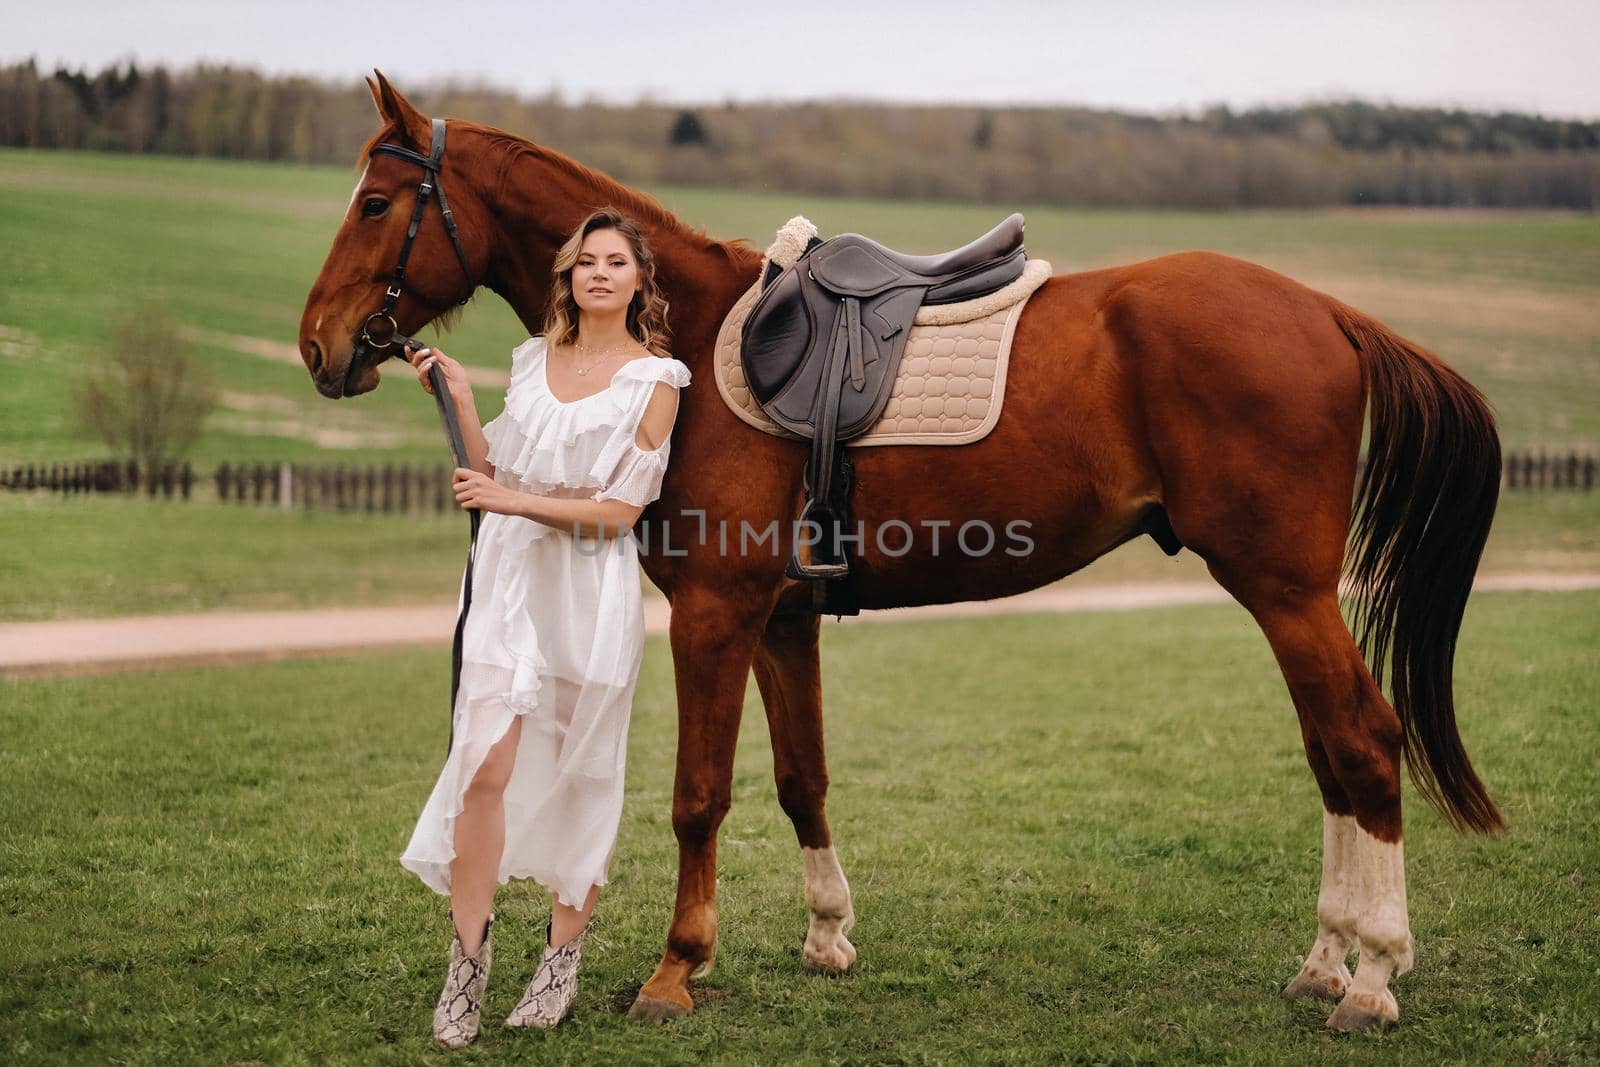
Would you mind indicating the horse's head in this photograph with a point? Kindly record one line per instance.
(358, 279)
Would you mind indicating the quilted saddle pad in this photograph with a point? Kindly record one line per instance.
(951, 379)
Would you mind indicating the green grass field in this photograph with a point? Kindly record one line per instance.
(94, 556)
(233, 247)
(1071, 839)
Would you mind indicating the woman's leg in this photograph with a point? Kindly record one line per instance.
(480, 837)
(566, 922)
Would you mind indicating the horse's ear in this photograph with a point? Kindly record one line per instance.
(412, 124)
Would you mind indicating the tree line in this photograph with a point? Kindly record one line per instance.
(427, 489)
(1337, 153)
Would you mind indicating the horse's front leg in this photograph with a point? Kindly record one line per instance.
(790, 676)
(713, 640)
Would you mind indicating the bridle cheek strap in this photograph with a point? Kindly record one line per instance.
(430, 165)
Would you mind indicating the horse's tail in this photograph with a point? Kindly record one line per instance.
(1422, 515)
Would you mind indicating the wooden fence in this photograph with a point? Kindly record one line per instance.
(387, 489)
(1525, 470)
(101, 476)
(407, 490)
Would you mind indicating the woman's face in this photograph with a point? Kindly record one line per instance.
(606, 275)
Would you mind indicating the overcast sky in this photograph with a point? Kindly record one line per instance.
(1145, 55)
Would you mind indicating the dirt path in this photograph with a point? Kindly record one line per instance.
(146, 642)
(284, 352)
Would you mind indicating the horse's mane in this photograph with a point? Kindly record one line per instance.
(641, 205)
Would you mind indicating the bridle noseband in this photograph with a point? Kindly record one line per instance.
(380, 331)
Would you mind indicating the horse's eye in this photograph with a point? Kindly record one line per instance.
(373, 206)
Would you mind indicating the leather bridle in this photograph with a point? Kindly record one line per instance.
(380, 331)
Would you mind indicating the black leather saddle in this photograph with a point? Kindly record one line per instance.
(823, 342)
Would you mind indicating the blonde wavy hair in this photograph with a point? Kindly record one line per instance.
(647, 312)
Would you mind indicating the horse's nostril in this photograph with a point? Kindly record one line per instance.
(316, 356)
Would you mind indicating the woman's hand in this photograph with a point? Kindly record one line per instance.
(455, 375)
(475, 490)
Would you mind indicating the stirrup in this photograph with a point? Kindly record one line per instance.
(823, 571)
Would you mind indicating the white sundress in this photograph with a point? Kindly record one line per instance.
(555, 633)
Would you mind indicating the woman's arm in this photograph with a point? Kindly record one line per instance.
(466, 405)
(583, 518)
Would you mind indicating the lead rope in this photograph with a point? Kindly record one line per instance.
(461, 626)
(458, 452)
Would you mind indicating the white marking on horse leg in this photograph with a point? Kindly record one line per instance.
(1324, 973)
(828, 898)
(1384, 930)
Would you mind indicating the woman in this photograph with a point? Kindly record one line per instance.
(533, 783)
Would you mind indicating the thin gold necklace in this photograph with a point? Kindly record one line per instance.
(605, 355)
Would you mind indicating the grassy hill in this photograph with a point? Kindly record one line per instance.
(233, 247)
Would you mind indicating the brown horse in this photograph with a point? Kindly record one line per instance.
(1195, 395)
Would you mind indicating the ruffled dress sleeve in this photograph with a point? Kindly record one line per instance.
(508, 435)
(626, 471)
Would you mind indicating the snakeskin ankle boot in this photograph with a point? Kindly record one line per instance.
(554, 985)
(455, 1017)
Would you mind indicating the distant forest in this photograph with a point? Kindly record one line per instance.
(1347, 153)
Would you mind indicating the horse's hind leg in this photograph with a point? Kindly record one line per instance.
(1325, 973)
(1353, 741)
(789, 675)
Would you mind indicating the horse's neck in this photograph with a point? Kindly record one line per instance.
(539, 204)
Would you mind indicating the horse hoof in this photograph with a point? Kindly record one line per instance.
(1320, 986)
(656, 1009)
(834, 958)
(1363, 1011)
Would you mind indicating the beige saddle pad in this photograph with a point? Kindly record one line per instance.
(951, 378)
